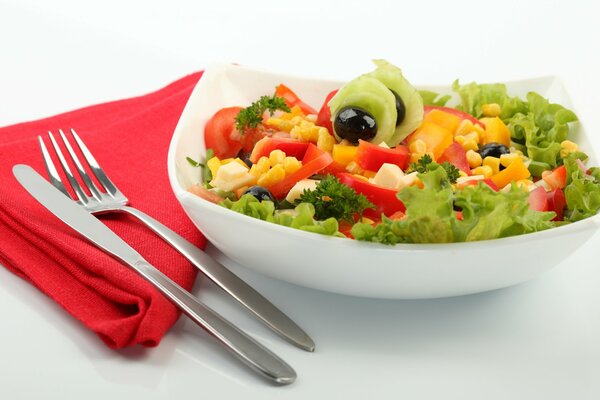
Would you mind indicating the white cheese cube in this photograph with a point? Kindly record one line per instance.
(384, 145)
(464, 179)
(299, 188)
(232, 176)
(407, 180)
(389, 176)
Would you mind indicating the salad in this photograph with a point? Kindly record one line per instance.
(381, 161)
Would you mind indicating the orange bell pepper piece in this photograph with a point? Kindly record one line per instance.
(443, 119)
(436, 137)
(514, 172)
(496, 131)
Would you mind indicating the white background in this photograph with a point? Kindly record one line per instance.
(539, 340)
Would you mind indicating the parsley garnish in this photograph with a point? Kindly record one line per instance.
(331, 198)
(426, 162)
(251, 116)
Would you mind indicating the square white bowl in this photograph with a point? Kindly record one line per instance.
(339, 265)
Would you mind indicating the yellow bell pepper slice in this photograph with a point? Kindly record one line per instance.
(496, 131)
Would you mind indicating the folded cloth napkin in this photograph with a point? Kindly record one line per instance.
(130, 140)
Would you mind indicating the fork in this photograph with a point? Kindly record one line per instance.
(114, 201)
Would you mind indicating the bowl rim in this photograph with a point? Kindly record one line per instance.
(186, 197)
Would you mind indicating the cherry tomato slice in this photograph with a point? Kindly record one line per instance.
(218, 133)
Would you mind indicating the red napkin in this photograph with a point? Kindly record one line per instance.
(130, 140)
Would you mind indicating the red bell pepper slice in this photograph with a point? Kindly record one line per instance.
(455, 154)
(371, 157)
(314, 160)
(324, 117)
(556, 179)
(384, 199)
(291, 147)
(557, 203)
(454, 111)
(291, 99)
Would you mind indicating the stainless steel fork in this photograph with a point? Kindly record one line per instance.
(114, 201)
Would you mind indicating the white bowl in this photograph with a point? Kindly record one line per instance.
(343, 265)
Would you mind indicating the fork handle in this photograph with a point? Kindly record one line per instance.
(243, 346)
(230, 283)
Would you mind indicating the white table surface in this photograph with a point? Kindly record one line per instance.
(538, 340)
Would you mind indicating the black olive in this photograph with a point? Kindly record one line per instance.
(400, 108)
(353, 123)
(247, 161)
(493, 150)
(261, 193)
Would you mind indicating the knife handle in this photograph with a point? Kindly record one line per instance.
(243, 346)
(256, 303)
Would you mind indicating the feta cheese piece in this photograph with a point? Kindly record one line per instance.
(232, 176)
(465, 179)
(407, 180)
(389, 176)
(299, 187)
(384, 145)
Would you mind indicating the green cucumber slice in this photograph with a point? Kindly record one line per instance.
(391, 76)
(373, 96)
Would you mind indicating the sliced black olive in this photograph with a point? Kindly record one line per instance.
(261, 193)
(353, 123)
(400, 108)
(493, 150)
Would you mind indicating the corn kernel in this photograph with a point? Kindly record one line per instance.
(470, 144)
(213, 164)
(491, 110)
(369, 174)
(260, 167)
(418, 146)
(460, 139)
(524, 184)
(507, 159)
(493, 163)
(354, 168)
(414, 157)
(480, 132)
(291, 165)
(568, 147)
(465, 127)
(325, 141)
(474, 159)
(484, 170)
(272, 176)
(472, 136)
(276, 157)
(462, 173)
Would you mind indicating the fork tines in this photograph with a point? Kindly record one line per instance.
(55, 179)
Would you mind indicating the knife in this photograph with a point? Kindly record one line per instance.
(240, 344)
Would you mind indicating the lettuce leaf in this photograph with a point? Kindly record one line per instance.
(582, 192)
(301, 217)
(433, 99)
(430, 215)
(473, 96)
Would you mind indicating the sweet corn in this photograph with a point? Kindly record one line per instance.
(280, 124)
(480, 132)
(462, 174)
(272, 176)
(465, 127)
(291, 165)
(474, 159)
(306, 131)
(213, 164)
(354, 168)
(325, 141)
(276, 157)
(261, 167)
(460, 139)
(524, 184)
(491, 110)
(470, 144)
(568, 147)
(493, 163)
(484, 170)
(418, 146)
(507, 159)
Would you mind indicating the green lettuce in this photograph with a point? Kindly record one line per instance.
(582, 192)
(301, 217)
(433, 99)
(430, 215)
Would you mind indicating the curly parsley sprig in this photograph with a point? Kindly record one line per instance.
(251, 117)
(425, 163)
(331, 198)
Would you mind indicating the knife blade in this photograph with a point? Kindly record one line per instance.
(248, 350)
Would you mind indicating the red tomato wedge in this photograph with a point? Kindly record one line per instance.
(457, 156)
(384, 199)
(324, 117)
(557, 203)
(556, 179)
(218, 133)
(371, 157)
(538, 200)
(454, 111)
(291, 99)
(314, 160)
(291, 147)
